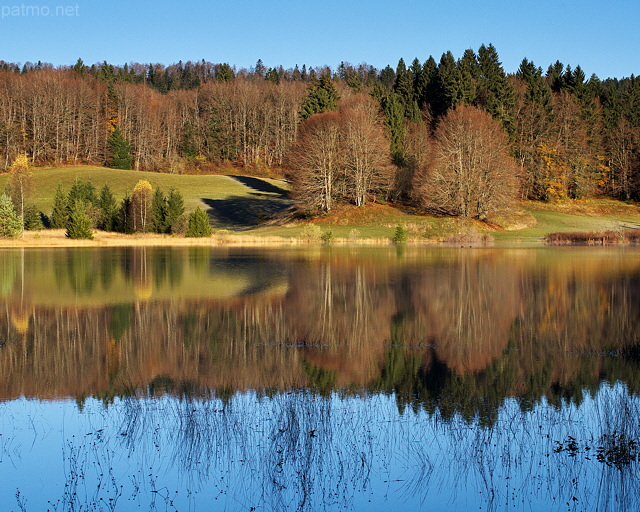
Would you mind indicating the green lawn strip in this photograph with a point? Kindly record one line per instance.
(194, 188)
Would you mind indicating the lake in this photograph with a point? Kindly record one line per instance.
(320, 378)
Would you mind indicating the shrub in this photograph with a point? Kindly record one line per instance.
(400, 235)
(328, 237)
(311, 232)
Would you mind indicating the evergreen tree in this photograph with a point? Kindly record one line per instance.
(108, 210)
(555, 76)
(425, 89)
(159, 212)
(469, 73)
(322, 97)
(124, 223)
(447, 93)
(394, 121)
(272, 76)
(10, 223)
(388, 78)
(58, 219)
(175, 207)
(78, 222)
(199, 226)
(119, 151)
(260, 68)
(495, 93)
(404, 84)
(225, 73)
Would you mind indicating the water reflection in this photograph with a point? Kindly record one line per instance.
(328, 379)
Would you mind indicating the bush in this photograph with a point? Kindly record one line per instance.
(328, 237)
(199, 226)
(311, 232)
(400, 234)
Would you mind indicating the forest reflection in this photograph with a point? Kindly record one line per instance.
(439, 329)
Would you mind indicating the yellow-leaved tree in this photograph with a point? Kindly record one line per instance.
(20, 185)
(141, 200)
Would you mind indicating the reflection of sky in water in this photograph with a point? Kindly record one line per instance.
(300, 451)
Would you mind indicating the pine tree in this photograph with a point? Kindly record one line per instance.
(322, 97)
(404, 84)
(175, 207)
(10, 223)
(469, 72)
(58, 219)
(394, 121)
(159, 213)
(124, 220)
(108, 210)
(447, 90)
(199, 226)
(225, 73)
(79, 223)
(119, 151)
(495, 93)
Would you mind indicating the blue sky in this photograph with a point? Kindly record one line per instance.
(604, 40)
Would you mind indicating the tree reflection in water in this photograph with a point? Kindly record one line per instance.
(320, 380)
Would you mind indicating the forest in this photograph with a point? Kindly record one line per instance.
(458, 136)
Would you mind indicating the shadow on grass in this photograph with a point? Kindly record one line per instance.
(242, 212)
(261, 186)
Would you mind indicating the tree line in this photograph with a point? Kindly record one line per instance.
(459, 135)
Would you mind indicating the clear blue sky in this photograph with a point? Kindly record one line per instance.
(602, 38)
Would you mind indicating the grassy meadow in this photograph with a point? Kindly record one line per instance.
(243, 208)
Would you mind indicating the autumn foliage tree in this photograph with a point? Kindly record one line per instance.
(472, 173)
(341, 155)
(367, 164)
(20, 184)
(316, 161)
(141, 201)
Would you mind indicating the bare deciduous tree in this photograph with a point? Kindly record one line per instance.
(367, 163)
(316, 160)
(472, 173)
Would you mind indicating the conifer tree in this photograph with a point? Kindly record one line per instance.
(322, 97)
(159, 212)
(78, 222)
(108, 210)
(10, 223)
(495, 93)
(58, 219)
(124, 222)
(119, 151)
(199, 226)
(394, 121)
(175, 207)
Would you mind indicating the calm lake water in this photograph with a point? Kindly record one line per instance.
(195, 379)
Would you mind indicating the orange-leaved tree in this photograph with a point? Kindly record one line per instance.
(472, 173)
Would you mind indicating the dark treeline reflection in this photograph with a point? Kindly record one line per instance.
(447, 330)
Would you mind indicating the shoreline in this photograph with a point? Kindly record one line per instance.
(56, 238)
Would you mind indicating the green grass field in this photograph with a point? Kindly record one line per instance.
(203, 191)
(241, 204)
